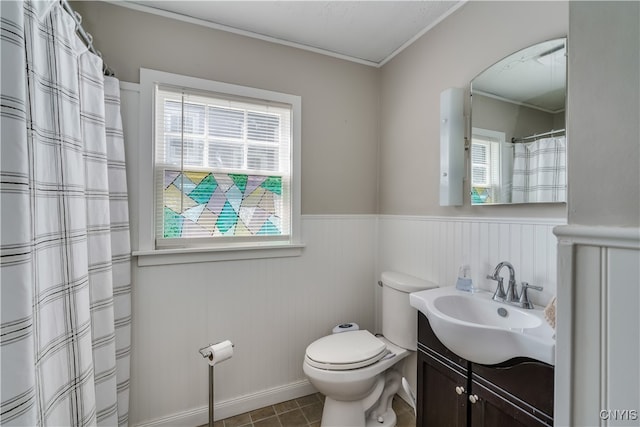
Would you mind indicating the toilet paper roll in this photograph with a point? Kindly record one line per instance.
(220, 352)
(344, 327)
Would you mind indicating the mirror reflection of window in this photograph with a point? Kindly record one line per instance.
(522, 97)
(491, 163)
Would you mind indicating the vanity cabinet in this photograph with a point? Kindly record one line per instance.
(441, 408)
(453, 392)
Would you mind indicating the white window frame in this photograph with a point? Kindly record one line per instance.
(148, 254)
(485, 166)
(495, 170)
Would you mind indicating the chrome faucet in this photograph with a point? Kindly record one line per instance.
(512, 292)
(511, 295)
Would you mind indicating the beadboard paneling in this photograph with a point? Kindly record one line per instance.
(271, 309)
(433, 248)
(597, 368)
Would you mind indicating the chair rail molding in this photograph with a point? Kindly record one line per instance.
(598, 326)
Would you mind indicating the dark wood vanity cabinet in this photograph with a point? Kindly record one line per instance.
(453, 392)
(436, 408)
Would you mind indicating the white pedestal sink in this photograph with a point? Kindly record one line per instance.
(484, 331)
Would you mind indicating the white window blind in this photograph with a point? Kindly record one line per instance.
(485, 160)
(223, 168)
(480, 164)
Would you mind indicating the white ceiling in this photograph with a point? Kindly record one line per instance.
(369, 32)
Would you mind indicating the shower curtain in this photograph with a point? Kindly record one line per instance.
(540, 171)
(65, 256)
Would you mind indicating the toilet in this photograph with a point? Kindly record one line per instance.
(359, 372)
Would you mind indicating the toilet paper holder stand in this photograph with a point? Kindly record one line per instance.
(207, 354)
(206, 351)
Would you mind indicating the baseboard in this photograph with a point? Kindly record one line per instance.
(235, 406)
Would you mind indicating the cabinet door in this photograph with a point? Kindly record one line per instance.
(521, 379)
(492, 410)
(440, 405)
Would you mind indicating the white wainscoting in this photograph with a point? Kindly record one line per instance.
(598, 353)
(433, 248)
(271, 309)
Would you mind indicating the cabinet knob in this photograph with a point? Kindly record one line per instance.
(459, 390)
(473, 398)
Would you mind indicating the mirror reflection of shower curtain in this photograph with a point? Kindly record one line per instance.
(540, 171)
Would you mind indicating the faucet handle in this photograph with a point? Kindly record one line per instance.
(524, 297)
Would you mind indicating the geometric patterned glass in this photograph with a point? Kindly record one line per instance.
(480, 195)
(210, 204)
(223, 168)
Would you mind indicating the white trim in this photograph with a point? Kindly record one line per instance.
(195, 255)
(421, 33)
(146, 176)
(329, 217)
(133, 87)
(616, 237)
(146, 205)
(491, 220)
(589, 287)
(564, 372)
(220, 27)
(171, 256)
(234, 406)
(275, 250)
(519, 103)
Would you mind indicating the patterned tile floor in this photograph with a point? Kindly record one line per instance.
(302, 412)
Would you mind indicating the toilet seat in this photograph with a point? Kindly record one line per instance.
(346, 350)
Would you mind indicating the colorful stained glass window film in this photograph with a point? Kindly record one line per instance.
(204, 204)
(480, 195)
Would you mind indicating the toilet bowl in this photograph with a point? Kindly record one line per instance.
(358, 372)
(352, 393)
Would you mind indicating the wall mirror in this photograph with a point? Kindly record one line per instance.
(518, 142)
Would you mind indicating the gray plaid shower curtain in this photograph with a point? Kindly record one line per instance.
(65, 255)
(540, 171)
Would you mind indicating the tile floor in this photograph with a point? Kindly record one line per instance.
(302, 412)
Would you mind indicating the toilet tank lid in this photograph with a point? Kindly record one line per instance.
(405, 283)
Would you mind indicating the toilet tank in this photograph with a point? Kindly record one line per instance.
(399, 319)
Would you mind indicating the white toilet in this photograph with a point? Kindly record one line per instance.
(358, 372)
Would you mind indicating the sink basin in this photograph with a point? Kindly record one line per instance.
(484, 331)
(484, 312)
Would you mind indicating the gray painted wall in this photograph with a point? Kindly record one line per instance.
(378, 128)
(514, 120)
(450, 55)
(604, 112)
(340, 99)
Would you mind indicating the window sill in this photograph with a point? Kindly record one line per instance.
(212, 254)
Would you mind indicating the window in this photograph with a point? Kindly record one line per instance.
(487, 169)
(226, 164)
(480, 163)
